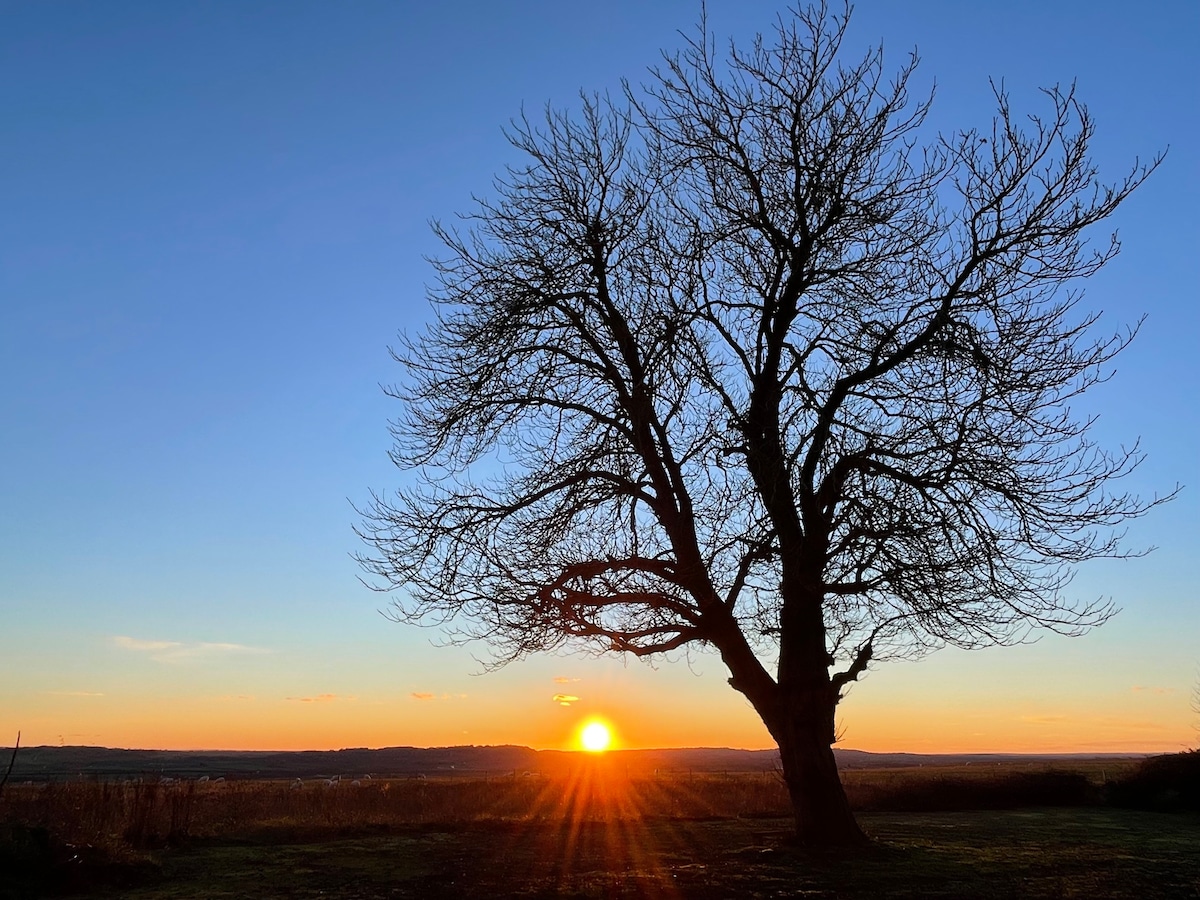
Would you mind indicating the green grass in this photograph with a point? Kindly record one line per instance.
(1040, 853)
(938, 832)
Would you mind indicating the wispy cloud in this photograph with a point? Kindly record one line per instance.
(426, 696)
(322, 698)
(565, 699)
(73, 693)
(563, 679)
(1143, 689)
(130, 643)
(180, 651)
(234, 698)
(422, 695)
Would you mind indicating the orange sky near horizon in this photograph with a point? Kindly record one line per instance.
(893, 710)
(266, 726)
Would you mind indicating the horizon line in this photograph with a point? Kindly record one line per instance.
(987, 753)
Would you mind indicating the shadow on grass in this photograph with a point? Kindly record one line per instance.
(34, 864)
(594, 835)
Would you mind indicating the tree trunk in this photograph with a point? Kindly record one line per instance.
(823, 816)
(798, 710)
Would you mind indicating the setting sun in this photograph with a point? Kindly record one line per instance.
(595, 737)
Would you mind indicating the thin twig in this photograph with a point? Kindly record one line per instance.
(11, 762)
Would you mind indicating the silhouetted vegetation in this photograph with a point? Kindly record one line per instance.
(1196, 708)
(773, 370)
(944, 792)
(941, 833)
(152, 815)
(11, 762)
(1166, 783)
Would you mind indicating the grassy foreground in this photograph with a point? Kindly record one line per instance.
(1048, 853)
(950, 832)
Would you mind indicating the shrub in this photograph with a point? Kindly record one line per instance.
(1167, 783)
(949, 792)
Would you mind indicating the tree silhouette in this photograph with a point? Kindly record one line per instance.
(1196, 707)
(749, 360)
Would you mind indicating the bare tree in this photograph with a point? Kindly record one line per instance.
(749, 360)
(1196, 707)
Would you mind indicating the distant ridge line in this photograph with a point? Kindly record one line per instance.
(47, 763)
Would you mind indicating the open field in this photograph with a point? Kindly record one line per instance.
(594, 834)
(149, 813)
(1043, 853)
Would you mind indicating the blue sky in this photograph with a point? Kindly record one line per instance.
(213, 219)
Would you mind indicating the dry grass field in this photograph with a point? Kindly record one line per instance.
(940, 831)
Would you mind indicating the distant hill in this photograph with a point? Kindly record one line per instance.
(42, 763)
(59, 763)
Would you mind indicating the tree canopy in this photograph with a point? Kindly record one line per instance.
(749, 358)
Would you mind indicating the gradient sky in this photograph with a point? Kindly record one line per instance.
(213, 219)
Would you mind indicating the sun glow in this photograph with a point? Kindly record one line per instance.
(595, 736)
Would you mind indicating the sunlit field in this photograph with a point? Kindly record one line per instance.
(153, 813)
(598, 831)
